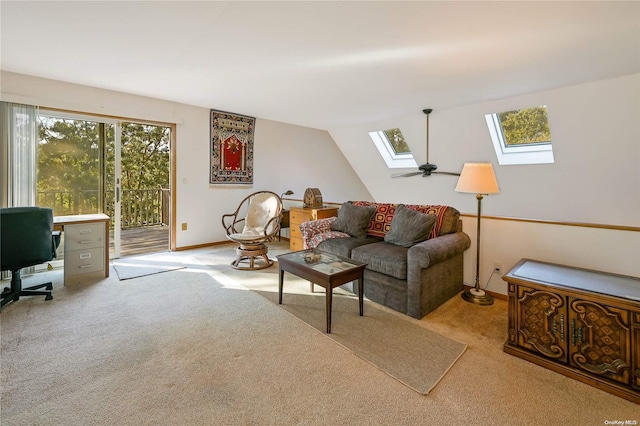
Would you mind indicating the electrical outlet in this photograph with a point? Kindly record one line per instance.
(497, 266)
(184, 226)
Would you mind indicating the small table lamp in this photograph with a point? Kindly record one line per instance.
(478, 178)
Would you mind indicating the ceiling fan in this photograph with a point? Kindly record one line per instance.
(427, 168)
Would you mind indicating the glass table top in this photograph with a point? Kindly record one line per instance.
(324, 262)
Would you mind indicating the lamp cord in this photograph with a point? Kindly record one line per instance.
(486, 284)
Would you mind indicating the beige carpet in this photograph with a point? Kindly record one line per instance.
(194, 347)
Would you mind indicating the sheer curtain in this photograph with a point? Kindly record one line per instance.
(18, 154)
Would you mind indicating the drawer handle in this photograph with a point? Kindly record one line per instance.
(85, 266)
(576, 334)
(555, 325)
(85, 231)
(85, 241)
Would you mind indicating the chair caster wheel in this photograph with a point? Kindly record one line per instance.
(49, 287)
(48, 297)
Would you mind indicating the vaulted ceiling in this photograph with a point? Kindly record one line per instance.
(325, 65)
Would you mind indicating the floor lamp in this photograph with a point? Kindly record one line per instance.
(478, 178)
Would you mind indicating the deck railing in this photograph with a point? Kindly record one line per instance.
(139, 207)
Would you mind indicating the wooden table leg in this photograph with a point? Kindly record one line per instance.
(329, 294)
(280, 286)
(360, 296)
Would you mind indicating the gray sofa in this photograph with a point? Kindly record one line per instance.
(414, 253)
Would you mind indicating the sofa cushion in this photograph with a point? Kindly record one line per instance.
(343, 246)
(353, 220)
(386, 258)
(409, 227)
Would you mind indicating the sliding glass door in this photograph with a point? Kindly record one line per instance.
(138, 170)
(94, 165)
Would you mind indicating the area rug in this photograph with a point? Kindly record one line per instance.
(139, 266)
(410, 353)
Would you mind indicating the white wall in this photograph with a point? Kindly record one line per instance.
(595, 177)
(286, 156)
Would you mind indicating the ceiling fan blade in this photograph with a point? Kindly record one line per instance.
(406, 174)
(447, 173)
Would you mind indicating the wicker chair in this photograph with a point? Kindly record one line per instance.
(259, 215)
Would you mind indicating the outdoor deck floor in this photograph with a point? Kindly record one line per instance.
(148, 239)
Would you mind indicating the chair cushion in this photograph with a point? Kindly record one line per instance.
(247, 237)
(353, 220)
(386, 258)
(409, 227)
(262, 208)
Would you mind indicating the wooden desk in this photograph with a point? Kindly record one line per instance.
(86, 237)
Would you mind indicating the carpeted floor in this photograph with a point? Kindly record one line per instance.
(195, 347)
(395, 343)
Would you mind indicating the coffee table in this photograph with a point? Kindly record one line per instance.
(324, 269)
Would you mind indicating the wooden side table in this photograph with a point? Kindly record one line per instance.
(284, 223)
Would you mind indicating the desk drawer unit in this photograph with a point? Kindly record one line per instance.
(84, 249)
(84, 261)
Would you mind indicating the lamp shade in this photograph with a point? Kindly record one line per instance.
(478, 178)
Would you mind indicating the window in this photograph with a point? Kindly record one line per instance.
(393, 148)
(70, 162)
(521, 136)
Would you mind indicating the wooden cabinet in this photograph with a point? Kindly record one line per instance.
(297, 215)
(581, 323)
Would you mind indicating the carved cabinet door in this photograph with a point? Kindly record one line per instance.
(599, 337)
(542, 322)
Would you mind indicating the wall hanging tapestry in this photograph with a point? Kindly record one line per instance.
(231, 148)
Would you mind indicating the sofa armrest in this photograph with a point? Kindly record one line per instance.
(434, 272)
(436, 250)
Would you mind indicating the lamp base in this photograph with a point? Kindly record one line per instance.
(479, 297)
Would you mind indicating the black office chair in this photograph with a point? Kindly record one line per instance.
(27, 238)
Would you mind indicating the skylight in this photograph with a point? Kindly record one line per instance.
(521, 136)
(393, 148)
